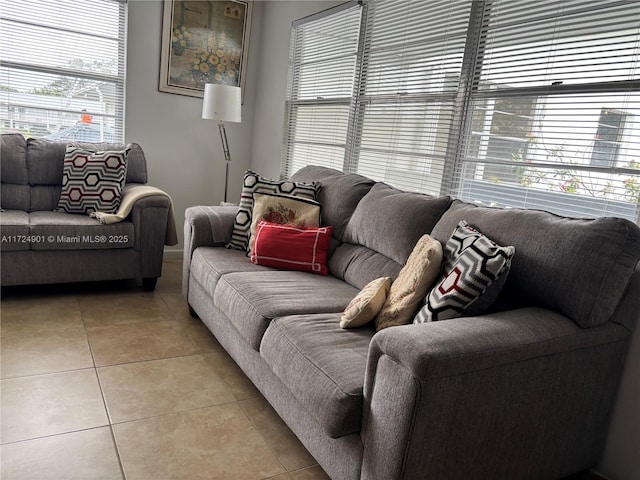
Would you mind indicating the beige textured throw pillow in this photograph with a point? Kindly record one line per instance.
(283, 209)
(413, 283)
(366, 305)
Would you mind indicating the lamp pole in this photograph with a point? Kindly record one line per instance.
(227, 157)
(222, 103)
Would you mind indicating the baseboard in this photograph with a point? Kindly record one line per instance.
(172, 253)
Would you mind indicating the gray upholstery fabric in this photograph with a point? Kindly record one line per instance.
(468, 419)
(69, 231)
(208, 226)
(468, 344)
(45, 197)
(628, 311)
(208, 264)
(60, 244)
(552, 252)
(13, 159)
(390, 222)
(340, 457)
(13, 172)
(149, 217)
(15, 197)
(358, 265)
(323, 365)
(396, 391)
(339, 195)
(45, 159)
(254, 300)
(63, 266)
(14, 230)
(448, 399)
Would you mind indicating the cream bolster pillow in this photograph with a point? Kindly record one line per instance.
(366, 305)
(413, 282)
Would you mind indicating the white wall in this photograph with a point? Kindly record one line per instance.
(183, 151)
(185, 158)
(272, 87)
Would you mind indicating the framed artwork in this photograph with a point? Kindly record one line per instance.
(204, 42)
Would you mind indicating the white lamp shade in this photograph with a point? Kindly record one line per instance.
(221, 102)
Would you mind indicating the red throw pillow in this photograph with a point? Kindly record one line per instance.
(290, 247)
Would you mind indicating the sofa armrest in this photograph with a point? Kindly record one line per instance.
(205, 226)
(454, 399)
(149, 216)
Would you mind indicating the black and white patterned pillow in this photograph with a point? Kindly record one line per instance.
(473, 263)
(254, 183)
(92, 181)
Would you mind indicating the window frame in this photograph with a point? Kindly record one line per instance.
(117, 80)
(470, 91)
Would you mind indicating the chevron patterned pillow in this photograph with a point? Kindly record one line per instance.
(92, 181)
(473, 262)
(254, 183)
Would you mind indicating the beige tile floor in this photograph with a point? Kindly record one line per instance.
(104, 381)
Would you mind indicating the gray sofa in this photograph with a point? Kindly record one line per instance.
(525, 390)
(41, 246)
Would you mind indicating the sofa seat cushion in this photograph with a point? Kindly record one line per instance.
(323, 366)
(69, 231)
(15, 231)
(208, 264)
(252, 301)
(358, 265)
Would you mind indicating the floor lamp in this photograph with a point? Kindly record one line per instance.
(222, 103)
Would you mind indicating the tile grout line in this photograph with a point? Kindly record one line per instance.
(52, 435)
(201, 350)
(188, 410)
(104, 400)
(117, 449)
(255, 427)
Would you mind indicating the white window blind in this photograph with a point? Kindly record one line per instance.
(320, 88)
(412, 60)
(501, 102)
(555, 108)
(62, 68)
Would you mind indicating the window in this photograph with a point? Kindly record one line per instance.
(569, 72)
(408, 85)
(608, 138)
(320, 87)
(62, 69)
(499, 102)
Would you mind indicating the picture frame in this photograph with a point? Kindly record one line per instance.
(204, 42)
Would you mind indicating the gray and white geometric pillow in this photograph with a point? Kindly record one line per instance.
(473, 262)
(92, 181)
(254, 183)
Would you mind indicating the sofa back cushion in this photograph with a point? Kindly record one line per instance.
(375, 226)
(579, 267)
(13, 172)
(390, 221)
(339, 195)
(382, 232)
(45, 160)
